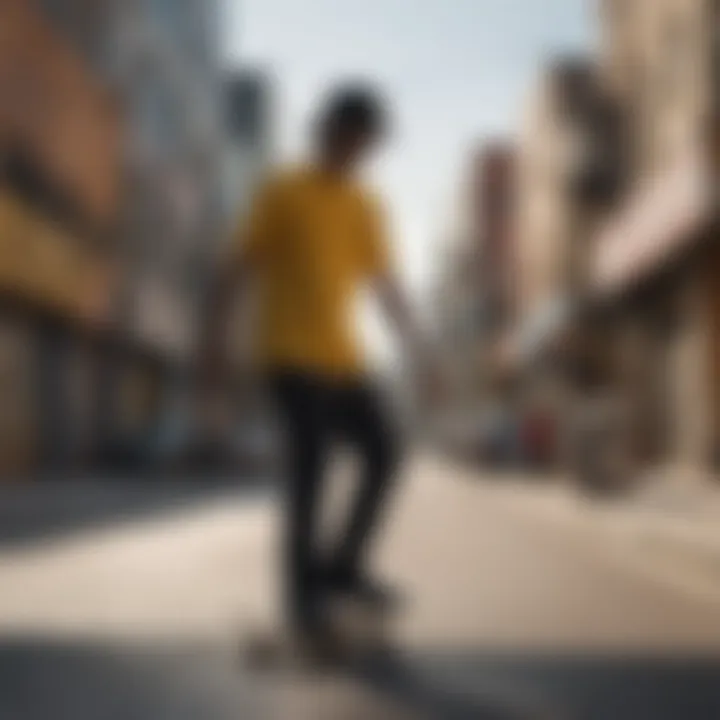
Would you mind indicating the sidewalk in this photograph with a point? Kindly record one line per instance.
(681, 492)
(669, 526)
(510, 615)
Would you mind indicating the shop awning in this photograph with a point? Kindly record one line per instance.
(660, 221)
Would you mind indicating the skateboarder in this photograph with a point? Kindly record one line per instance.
(314, 238)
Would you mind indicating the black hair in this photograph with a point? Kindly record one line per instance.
(355, 108)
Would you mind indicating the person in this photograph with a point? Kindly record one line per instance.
(315, 237)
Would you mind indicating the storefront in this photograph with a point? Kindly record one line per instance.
(60, 152)
(50, 302)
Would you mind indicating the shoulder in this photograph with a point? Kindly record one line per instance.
(289, 179)
(281, 183)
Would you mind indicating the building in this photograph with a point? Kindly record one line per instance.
(60, 148)
(569, 177)
(249, 141)
(655, 263)
(249, 153)
(162, 60)
(124, 121)
(492, 208)
(168, 69)
(474, 300)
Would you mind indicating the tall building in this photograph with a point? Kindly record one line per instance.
(249, 153)
(655, 262)
(60, 148)
(474, 300)
(163, 60)
(125, 124)
(248, 135)
(568, 177)
(493, 207)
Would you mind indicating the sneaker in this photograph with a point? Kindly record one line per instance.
(372, 593)
(320, 648)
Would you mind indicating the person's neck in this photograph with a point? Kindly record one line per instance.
(332, 167)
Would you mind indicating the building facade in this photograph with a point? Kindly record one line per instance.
(167, 70)
(249, 151)
(60, 156)
(118, 133)
(474, 298)
(569, 177)
(492, 207)
(654, 264)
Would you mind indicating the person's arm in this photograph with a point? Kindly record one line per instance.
(397, 309)
(250, 246)
(417, 352)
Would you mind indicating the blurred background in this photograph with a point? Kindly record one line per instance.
(552, 179)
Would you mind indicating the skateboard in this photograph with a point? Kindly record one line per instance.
(358, 634)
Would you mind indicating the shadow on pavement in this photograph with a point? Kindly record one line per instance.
(45, 510)
(568, 686)
(42, 680)
(55, 681)
(432, 696)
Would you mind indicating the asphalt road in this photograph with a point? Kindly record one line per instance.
(143, 614)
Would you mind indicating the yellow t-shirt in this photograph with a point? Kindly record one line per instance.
(312, 240)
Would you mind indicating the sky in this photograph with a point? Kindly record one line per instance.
(456, 71)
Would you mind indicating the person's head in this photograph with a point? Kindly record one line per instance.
(352, 122)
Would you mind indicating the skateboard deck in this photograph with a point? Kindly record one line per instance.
(359, 633)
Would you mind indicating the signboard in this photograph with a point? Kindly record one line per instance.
(655, 225)
(52, 108)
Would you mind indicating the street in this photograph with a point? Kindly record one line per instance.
(511, 615)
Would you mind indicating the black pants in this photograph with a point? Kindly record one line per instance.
(316, 413)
